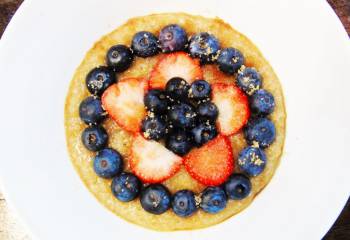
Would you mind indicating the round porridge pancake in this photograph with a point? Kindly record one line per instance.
(121, 140)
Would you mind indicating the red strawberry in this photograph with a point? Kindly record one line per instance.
(175, 65)
(212, 163)
(151, 161)
(124, 102)
(233, 107)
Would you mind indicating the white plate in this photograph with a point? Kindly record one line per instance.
(303, 40)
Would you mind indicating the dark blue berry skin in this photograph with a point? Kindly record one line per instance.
(99, 79)
(200, 89)
(144, 44)
(172, 38)
(249, 80)
(237, 186)
(203, 133)
(252, 161)
(262, 102)
(230, 60)
(108, 163)
(153, 128)
(119, 58)
(204, 46)
(179, 142)
(182, 115)
(91, 111)
(156, 101)
(184, 203)
(94, 138)
(126, 187)
(155, 199)
(261, 131)
(213, 200)
(177, 88)
(207, 111)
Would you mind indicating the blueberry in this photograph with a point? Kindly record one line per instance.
(119, 57)
(94, 138)
(182, 115)
(230, 60)
(203, 133)
(261, 131)
(155, 199)
(204, 46)
(156, 101)
(252, 161)
(249, 80)
(177, 88)
(91, 111)
(144, 44)
(99, 79)
(262, 102)
(172, 38)
(237, 186)
(213, 200)
(126, 187)
(179, 142)
(200, 89)
(207, 111)
(184, 203)
(153, 127)
(108, 163)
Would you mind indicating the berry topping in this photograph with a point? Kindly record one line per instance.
(233, 107)
(204, 46)
(151, 161)
(172, 65)
(252, 161)
(200, 89)
(179, 142)
(153, 128)
(126, 187)
(203, 133)
(212, 163)
(94, 138)
(99, 79)
(261, 131)
(144, 44)
(249, 80)
(108, 163)
(155, 199)
(230, 60)
(207, 111)
(172, 38)
(237, 186)
(177, 88)
(213, 200)
(182, 115)
(262, 102)
(124, 103)
(91, 111)
(156, 101)
(119, 57)
(183, 203)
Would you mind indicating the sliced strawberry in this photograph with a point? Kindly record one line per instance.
(124, 102)
(175, 65)
(212, 163)
(151, 161)
(233, 107)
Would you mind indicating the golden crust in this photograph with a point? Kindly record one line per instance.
(121, 140)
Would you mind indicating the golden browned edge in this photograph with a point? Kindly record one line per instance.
(81, 158)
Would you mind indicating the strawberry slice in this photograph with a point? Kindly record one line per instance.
(212, 163)
(124, 102)
(151, 161)
(175, 65)
(233, 107)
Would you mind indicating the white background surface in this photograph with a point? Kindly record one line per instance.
(304, 42)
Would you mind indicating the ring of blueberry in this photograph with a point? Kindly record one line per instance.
(181, 114)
